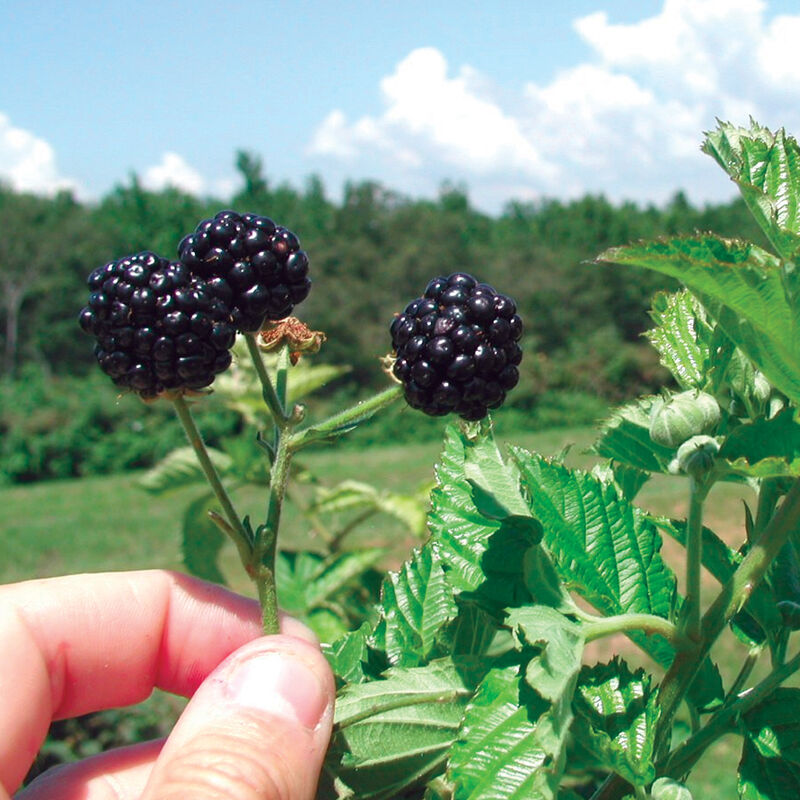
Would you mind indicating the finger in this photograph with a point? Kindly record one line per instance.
(119, 774)
(87, 642)
(257, 728)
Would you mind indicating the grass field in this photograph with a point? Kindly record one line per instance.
(107, 523)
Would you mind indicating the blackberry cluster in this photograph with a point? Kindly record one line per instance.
(253, 265)
(457, 347)
(157, 325)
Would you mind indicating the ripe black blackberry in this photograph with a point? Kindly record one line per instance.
(158, 327)
(457, 347)
(251, 264)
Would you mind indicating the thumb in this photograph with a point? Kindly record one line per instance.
(256, 729)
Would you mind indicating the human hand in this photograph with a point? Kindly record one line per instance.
(257, 725)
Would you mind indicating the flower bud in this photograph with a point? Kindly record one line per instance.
(696, 455)
(682, 416)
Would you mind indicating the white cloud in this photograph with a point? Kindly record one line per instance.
(28, 163)
(628, 122)
(173, 170)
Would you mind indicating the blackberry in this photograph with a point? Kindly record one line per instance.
(157, 326)
(250, 263)
(457, 347)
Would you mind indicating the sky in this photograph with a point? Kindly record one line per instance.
(522, 99)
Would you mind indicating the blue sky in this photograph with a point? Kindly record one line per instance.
(512, 99)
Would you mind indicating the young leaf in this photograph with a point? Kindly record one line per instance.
(682, 337)
(478, 553)
(770, 764)
(616, 713)
(766, 166)
(416, 603)
(202, 540)
(349, 655)
(500, 752)
(605, 547)
(394, 734)
(625, 438)
(753, 296)
(180, 468)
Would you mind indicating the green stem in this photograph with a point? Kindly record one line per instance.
(731, 599)
(282, 375)
(598, 627)
(235, 528)
(271, 398)
(267, 535)
(686, 755)
(344, 420)
(694, 557)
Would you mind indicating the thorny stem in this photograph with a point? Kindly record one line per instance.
(686, 755)
(235, 529)
(730, 600)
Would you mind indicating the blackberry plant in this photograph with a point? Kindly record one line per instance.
(469, 678)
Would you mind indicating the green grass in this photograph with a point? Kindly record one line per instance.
(107, 523)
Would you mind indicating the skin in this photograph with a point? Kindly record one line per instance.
(257, 725)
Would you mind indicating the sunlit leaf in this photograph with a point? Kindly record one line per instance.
(181, 468)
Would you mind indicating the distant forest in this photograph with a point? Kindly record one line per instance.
(370, 254)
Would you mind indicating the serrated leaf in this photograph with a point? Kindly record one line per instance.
(395, 733)
(349, 655)
(479, 555)
(682, 337)
(416, 603)
(628, 480)
(616, 713)
(307, 580)
(765, 448)
(753, 296)
(766, 167)
(625, 438)
(606, 548)
(770, 764)
(475, 632)
(498, 755)
(180, 468)
(202, 540)
(512, 741)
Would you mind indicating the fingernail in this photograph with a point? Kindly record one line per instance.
(280, 684)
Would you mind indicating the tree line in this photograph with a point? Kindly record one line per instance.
(370, 253)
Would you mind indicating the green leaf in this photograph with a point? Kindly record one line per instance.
(766, 167)
(180, 468)
(616, 713)
(682, 337)
(628, 480)
(416, 603)
(605, 548)
(498, 753)
(349, 655)
(765, 448)
(754, 297)
(625, 438)
(394, 734)
(770, 764)
(512, 740)
(478, 553)
(308, 580)
(202, 540)
(410, 510)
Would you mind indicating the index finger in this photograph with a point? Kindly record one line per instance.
(86, 642)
